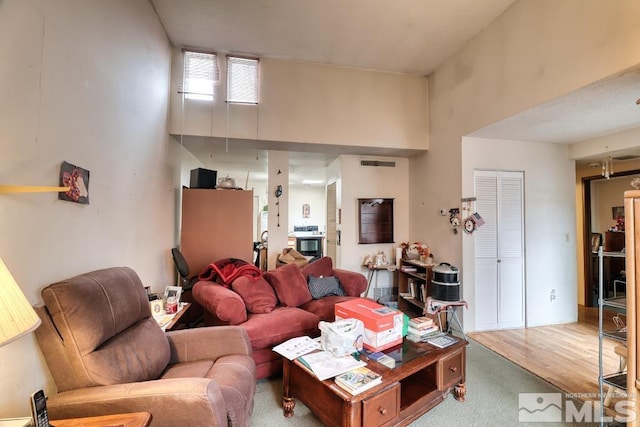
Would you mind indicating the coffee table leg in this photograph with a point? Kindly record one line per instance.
(288, 403)
(460, 391)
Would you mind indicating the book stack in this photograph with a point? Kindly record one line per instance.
(358, 380)
(379, 357)
(421, 328)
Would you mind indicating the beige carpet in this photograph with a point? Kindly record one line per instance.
(493, 387)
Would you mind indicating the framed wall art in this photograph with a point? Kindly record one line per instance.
(618, 212)
(77, 179)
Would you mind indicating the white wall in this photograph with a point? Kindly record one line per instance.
(364, 182)
(85, 82)
(536, 51)
(312, 103)
(316, 198)
(550, 229)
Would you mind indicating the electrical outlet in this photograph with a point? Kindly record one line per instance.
(552, 295)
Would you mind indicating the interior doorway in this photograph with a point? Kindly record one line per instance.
(332, 222)
(598, 217)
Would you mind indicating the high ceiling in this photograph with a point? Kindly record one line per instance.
(405, 36)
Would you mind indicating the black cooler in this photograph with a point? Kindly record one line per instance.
(445, 284)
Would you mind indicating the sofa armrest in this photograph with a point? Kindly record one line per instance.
(353, 283)
(172, 402)
(221, 302)
(207, 343)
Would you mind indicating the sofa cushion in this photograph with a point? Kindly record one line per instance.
(318, 268)
(270, 329)
(257, 294)
(324, 308)
(321, 287)
(220, 302)
(290, 285)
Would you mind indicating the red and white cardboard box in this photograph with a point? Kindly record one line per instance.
(382, 324)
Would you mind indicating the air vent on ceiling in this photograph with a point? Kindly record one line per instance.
(627, 157)
(377, 163)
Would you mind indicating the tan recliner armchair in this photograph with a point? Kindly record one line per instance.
(108, 355)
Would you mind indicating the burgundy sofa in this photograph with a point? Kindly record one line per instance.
(276, 307)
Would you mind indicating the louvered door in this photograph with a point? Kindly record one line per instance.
(499, 250)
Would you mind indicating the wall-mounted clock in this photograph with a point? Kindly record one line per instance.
(469, 225)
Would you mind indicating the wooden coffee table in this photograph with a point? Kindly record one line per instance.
(424, 378)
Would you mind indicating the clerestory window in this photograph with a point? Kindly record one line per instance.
(242, 80)
(201, 72)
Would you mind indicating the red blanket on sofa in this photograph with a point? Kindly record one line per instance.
(225, 271)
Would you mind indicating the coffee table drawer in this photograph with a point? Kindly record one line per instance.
(451, 369)
(382, 407)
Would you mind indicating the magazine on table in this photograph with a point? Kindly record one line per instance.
(441, 341)
(358, 380)
(325, 365)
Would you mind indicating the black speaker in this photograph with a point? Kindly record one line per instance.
(203, 178)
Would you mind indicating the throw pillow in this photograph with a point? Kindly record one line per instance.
(289, 284)
(257, 294)
(321, 287)
(319, 268)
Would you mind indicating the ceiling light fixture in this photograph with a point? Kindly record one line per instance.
(607, 166)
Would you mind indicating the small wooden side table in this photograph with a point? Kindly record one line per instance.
(169, 321)
(184, 306)
(136, 419)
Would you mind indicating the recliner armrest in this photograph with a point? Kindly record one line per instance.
(172, 402)
(353, 283)
(207, 343)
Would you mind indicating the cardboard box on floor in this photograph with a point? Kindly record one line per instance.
(382, 324)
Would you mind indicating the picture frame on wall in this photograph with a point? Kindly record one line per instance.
(618, 212)
(77, 179)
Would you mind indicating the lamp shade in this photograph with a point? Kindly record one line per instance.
(17, 317)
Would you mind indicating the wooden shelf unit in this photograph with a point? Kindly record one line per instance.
(413, 306)
(632, 239)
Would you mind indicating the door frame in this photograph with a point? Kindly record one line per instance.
(586, 231)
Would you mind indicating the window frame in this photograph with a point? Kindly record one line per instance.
(190, 91)
(230, 74)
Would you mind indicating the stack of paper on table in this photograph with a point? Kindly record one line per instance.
(325, 365)
(296, 347)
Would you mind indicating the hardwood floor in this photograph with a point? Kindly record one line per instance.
(564, 355)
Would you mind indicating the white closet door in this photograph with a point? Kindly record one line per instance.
(499, 250)
(486, 251)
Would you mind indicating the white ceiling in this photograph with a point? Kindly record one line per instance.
(602, 108)
(406, 36)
